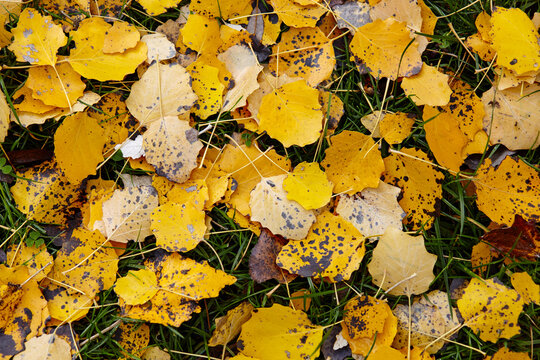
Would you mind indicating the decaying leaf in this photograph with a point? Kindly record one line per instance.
(45, 347)
(207, 87)
(491, 309)
(372, 210)
(172, 147)
(526, 287)
(228, 326)
(132, 338)
(308, 185)
(279, 331)
(5, 113)
(155, 353)
(522, 239)
(352, 162)
(262, 261)
(505, 354)
(37, 260)
(66, 305)
(270, 206)
(394, 128)
(137, 287)
(401, 265)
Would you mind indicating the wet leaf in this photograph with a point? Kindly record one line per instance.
(132, 338)
(522, 239)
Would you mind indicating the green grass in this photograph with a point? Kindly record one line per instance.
(451, 238)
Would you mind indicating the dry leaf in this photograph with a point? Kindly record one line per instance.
(120, 37)
(428, 87)
(296, 15)
(308, 185)
(137, 287)
(228, 326)
(262, 261)
(45, 347)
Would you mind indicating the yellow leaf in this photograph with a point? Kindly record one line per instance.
(156, 7)
(280, 332)
(308, 185)
(78, 146)
(401, 265)
(480, 257)
(5, 113)
(395, 128)
(5, 35)
(37, 38)
(193, 192)
(89, 60)
(45, 347)
(228, 326)
(372, 210)
(120, 37)
(304, 52)
(515, 39)
(296, 15)
(244, 222)
(428, 87)
(508, 190)
(270, 206)
(207, 87)
(511, 116)
(23, 101)
(386, 48)
(177, 226)
(137, 287)
(127, 213)
(401, 10)
(224, 9)
(353, 162)
(333, 110)
(163, 90)
(505, 354)
(385, 352)
(429, 19)
(159, 47)
(132, 338)
(44, 194)
(201, 34)
(66, 305)
(525, 286)
(483, 25)
(155, 353)
(483, 48)
(242, 63)
(37, 260)
(491, 309)
(215, 188)
(333, 248)
(300, 300)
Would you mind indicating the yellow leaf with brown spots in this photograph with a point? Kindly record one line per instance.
(352, 162)
(505, 354)
(207, 87)
(66, 305)
(37, 260)
(193, 192)
(429, 19)
(37, 38)
(526, 287)
(228, 326)
(508, 190)
(333, 248)
(156, 7)
(308, 185)
(306, 53)
(296, 15)
(137, 287)
(386, 49)
(421, 185)
(428, 87)
(395, 128)
(480, 258)
(491, 309)
(483, 48)
(24, 101)
(224, 9)
(201, 34)
(133, 338)
(120, 37)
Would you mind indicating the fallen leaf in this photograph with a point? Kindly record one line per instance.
(228, 326)
(156, 7)
(155, 353)
(522, 239)
(352, 15)
(225, 10)
(308, 185)
(207, 87)
(5, 113)
(159, 47)
(491, 309)
(132, 338)
(526, 287)
(280, 331)
(296, 15)
(300, 300)
(65, 305)
(45, 347)
(201, 34)
(505, 354)
(137, 287)
(401, 265)
(352, 162)
(120, 37)
(428, 87)
(262, 261)
(36, 259)
(480, 258)
(395, 128)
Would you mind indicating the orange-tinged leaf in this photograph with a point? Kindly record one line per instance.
(228, 326)
(508, 190)
(126, 214)
(132, 338)
(296, 15)
(172, 147)
(480, 257)
(526, 287)
(421, 185)
(429, 19)
(384, 47)
(56, 87)
(395, 128)
(428, 87)
(270, 206)
(36, 38)
(44, 194)
(308, 185)
(300, 300)
(5, 113)
(483, 48)
(505, 354)
(78, 146)
(304, 52)
(491, 309)
(522, 239)
(333, 248)
(280, 332)
(163, 90)
(45, 347)
(89, 60)
(515, 39)
(207, 87)
(120, 37)
(353, 162)
(372, 210)
(386, 352)
(137, 287)
(401, 265)
(177, 226)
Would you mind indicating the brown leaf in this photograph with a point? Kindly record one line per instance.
(522, 239)
(262, 262)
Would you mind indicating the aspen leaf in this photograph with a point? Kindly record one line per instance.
(228, 326)
(224, 9)
(428, 87)
(508, 190)
(262, 261)
(352, 15)
(60, 86)
(372, 122)
(37, 260)
(156, 7)
(66, 305)
(137, 287)
(308, 185)
(155, 353)
(244, 67)
(395, 128)
(480, 257)
(159, 47)
(281, 332)
(193, 192)
(132, 338)
(515, 39)
(483, 48)
(45, 347)
(332, 248)
(372, 210)
(401, 263)
(36, 38)
(172, 147)
(491, 309)
(332, 108)
(421, 185)
(300, 300)
(177, 226)
(270, 206)
(525, 286)
(78, 146)
(126, 215)
(163, 90)
(207, 87)
(5, 113)
(352, 162)
(429, 19)
(522, 239)
(385, 352)
(120, 37)
(201, 33)
(296, 15)
(505, 354)
(384, 47)
(407, 11)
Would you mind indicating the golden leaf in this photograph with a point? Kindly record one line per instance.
(156, 7)
(45, 347)
(526, 287)
(132, 338)
(296, 15)
(37, 260)
(428, 87)
(395, 128)
(308, 185)
(228, 326)
(137, 287)
(207, 87)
